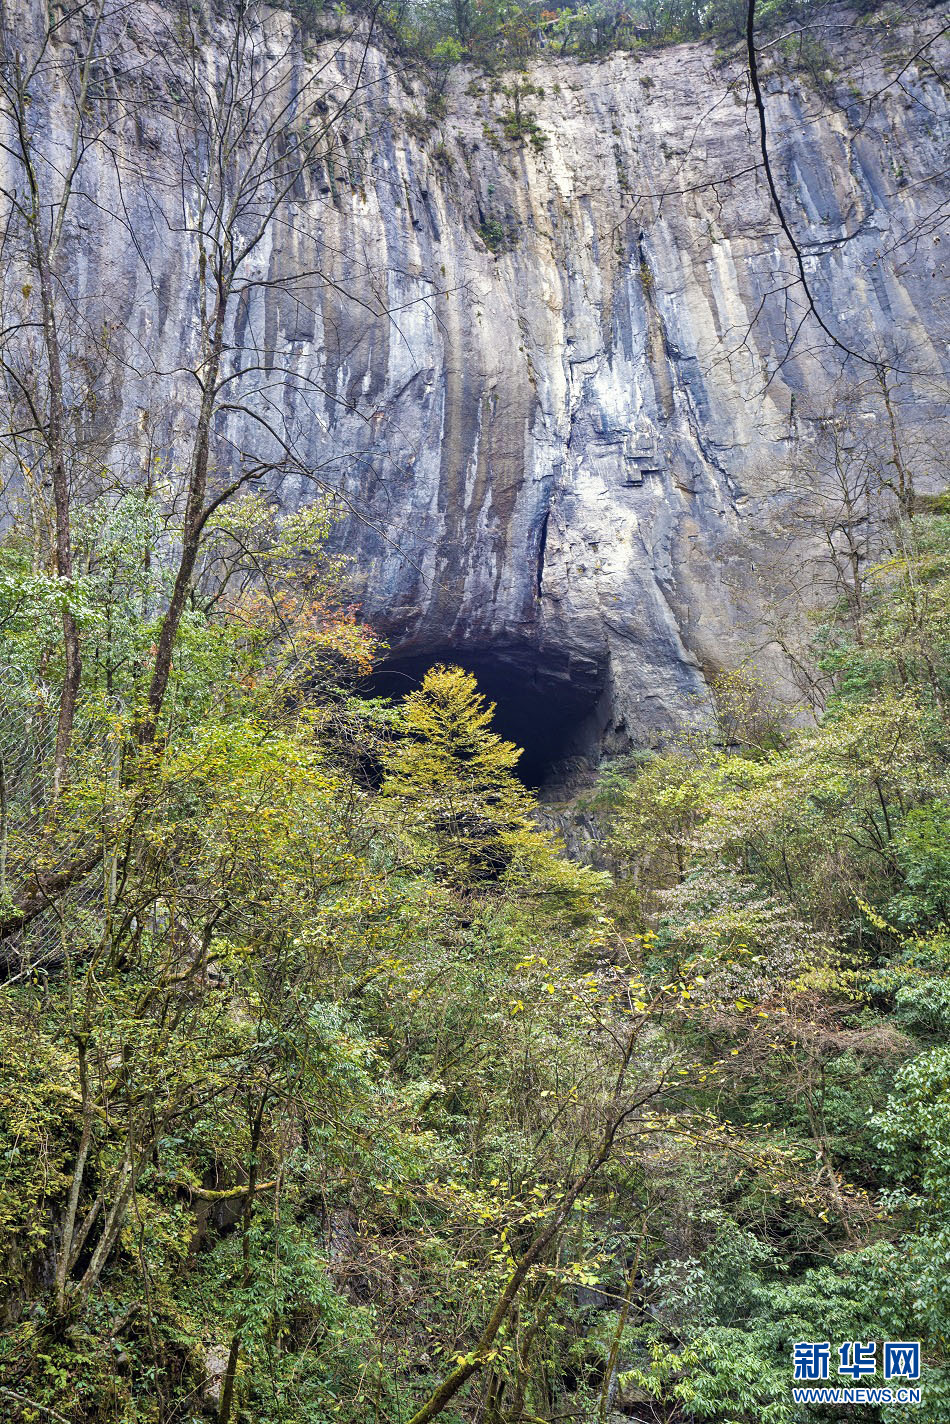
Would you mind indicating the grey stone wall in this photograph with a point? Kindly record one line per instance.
(557, 384)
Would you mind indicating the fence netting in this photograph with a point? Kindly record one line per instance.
(48, 847)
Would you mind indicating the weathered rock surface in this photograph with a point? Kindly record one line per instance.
(560, 446)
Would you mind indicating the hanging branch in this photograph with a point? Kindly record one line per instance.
(759, 101)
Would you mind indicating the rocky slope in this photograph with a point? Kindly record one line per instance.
(562, 404)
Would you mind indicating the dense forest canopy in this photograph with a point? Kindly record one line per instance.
(332, 1089)
(332, 1084)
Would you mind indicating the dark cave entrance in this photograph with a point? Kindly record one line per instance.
(546, 703)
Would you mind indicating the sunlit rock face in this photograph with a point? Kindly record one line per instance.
(562, 446)
(589, 421)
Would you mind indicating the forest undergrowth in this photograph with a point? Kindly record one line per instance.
(332, 1091)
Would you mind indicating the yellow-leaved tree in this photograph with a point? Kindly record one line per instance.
(462, 803)
(455, 778)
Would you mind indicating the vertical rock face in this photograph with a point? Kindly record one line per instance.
(593, 407)
(575, 368)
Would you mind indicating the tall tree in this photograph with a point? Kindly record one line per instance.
(250, 136)
(42, 345)
(255, 122)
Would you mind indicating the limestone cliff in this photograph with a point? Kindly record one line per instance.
(559, 403)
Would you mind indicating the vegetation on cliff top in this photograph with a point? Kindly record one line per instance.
(499, 33)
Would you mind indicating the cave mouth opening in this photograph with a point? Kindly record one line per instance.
(546, 703)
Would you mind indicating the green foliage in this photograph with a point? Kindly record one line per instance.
(498, 33)
(234, 1111)
(801, 879)
(922, 849)
(314, 1048)
(453, 778)
(495, 235)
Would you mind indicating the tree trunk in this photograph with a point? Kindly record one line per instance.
(230, 1373)
(54, 436)
(194, 523)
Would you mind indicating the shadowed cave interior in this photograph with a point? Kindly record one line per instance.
(546, 703)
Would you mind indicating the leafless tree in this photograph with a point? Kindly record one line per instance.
(256, 122)
(250, 135)
(45, 371)
(854, 480)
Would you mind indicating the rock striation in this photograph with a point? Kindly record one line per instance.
(559, 365)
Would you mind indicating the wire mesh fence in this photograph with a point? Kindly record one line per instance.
(48, 852)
